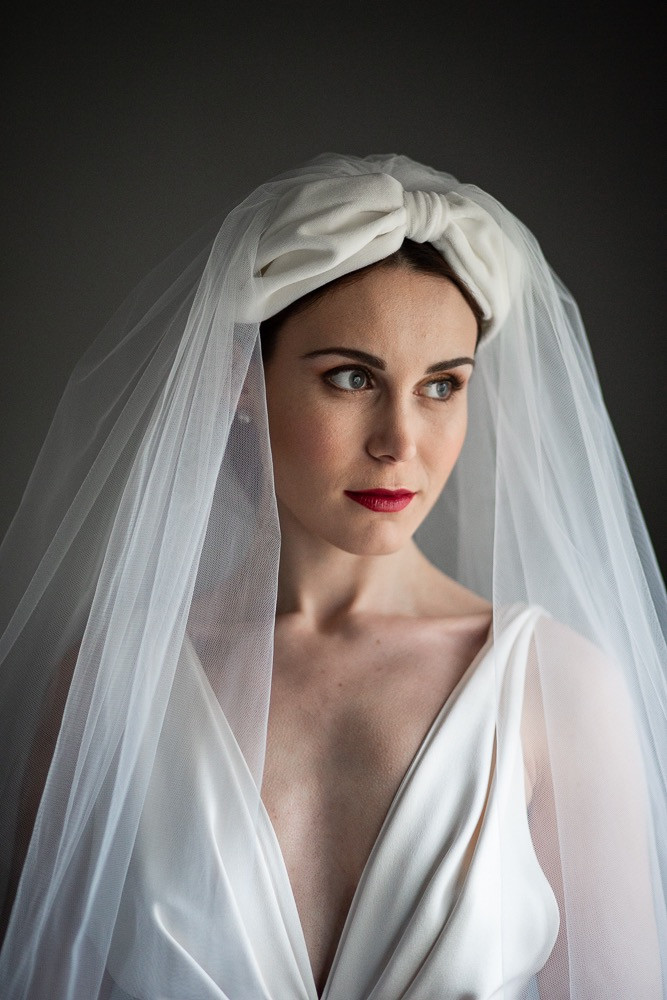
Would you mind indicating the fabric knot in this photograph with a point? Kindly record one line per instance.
(426, 215)
(323, 228)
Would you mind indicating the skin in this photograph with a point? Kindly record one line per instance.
(370, 638)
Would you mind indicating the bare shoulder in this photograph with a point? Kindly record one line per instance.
(573, 689)
(571, 668)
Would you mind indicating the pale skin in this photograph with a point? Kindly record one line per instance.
(370, 638)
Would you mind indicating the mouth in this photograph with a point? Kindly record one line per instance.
(382, 501)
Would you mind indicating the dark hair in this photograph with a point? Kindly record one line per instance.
(420, 257)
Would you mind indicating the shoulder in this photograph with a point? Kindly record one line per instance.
(577, 703)
(573, 668)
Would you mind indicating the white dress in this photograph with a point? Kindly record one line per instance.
(425, 920)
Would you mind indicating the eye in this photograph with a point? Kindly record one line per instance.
(442, 388)
(349, 379)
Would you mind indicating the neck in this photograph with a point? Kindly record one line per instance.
(323, 583)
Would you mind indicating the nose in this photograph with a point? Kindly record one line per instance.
(392, 437)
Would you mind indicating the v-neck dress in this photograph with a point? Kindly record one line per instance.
(208, 912)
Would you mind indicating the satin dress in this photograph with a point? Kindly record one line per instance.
(440, 913)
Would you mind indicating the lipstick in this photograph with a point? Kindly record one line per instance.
(383, 501)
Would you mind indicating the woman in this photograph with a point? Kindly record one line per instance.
(296, 758)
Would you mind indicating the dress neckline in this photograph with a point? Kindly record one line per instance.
(369, 864)
(442, 712)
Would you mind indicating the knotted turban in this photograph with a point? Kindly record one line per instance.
(326, 228)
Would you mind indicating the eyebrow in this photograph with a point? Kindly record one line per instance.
(373, 362)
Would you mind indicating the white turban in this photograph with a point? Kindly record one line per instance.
(325, 228)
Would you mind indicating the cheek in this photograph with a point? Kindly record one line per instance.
(306, 443)
(446, 446)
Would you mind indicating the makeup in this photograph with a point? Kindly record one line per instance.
(383, 501)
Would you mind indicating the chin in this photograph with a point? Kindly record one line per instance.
(383, 541)
(373, 535)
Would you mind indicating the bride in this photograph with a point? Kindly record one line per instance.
(321, 642)
(366, 395)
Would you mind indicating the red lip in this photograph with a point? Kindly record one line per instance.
(383, 501)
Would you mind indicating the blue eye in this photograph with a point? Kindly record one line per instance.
(351, 379)
(442, 389)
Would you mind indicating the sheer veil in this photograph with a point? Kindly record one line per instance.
(150, 519)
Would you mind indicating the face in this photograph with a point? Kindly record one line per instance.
(366, 392)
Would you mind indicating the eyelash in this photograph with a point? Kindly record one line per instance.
(455, 381)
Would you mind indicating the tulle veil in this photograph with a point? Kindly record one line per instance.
(150, 517)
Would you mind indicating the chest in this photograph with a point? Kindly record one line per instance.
(346, 721)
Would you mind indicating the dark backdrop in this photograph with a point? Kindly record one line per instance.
(125, 130)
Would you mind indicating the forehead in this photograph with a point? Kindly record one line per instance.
(393, 311)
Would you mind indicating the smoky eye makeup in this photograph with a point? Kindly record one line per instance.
(349, 378)
(443, 388)
(357, 378)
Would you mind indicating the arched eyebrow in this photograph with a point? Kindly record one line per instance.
(373, 362)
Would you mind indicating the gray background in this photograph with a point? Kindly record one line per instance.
(125, 130)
